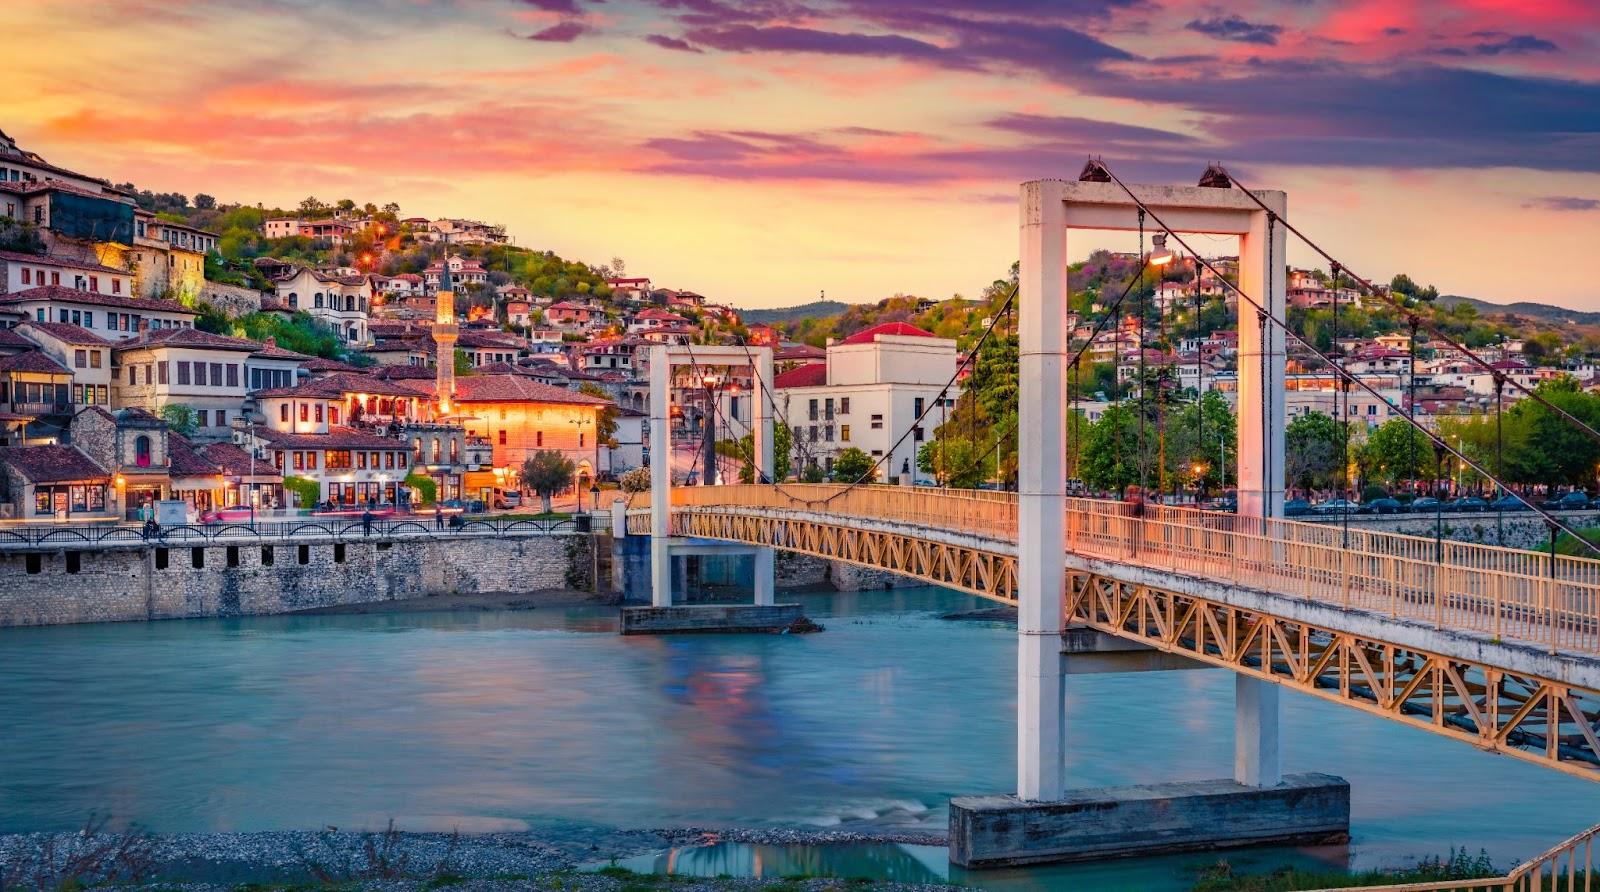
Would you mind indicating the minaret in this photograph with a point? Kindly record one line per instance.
(444, 336)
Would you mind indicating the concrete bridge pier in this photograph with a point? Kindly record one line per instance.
(664, 615)
(1044, 821)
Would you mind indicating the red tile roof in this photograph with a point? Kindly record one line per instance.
(32, 361)
(52, 464)
(64, 294)
(236, 462)
(812, 375)
(188, 337)
(67, 333)
(184, 461)
(66, 262)
(9, 338)
(514, 389)
(893, 329)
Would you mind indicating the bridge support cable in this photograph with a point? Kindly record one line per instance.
(1290, 332)
(1432, 329)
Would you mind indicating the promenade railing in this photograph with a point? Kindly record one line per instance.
(1549, 600)
(33, 538)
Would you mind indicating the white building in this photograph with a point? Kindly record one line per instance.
(868, 393)
(340, 302)
(114, 317)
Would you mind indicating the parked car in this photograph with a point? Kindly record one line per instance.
(1429, 505)
(1510, 503)
(1382, 506)
(507, 498)
(1572, 501)
(1471, 503)
(1296, 508)
(1335, 506)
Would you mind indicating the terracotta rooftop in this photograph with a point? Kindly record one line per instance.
(890, 329)
(51, 464)
(32, 361)
(513, 389)
(813, 375)
(64, 294)
(236, 462)
(51, 260)
(68, 333)
(187, 337)
(185, 461)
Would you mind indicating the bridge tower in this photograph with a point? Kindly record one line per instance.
(1049, 210)
(663, 616)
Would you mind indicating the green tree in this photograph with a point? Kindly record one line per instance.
(180, 418)
(851, 465)
(1314, 451)
(307, 492)
(1109, 458)
(1397, 451)
(427, 489)
(547, 472)
(607, 421)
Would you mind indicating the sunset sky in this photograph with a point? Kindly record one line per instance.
(763, 152)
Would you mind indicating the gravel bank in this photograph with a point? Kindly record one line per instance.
(537, 859)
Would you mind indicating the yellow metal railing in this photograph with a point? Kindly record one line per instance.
(1502, 592)
(1566, 868)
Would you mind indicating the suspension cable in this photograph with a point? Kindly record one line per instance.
(1404, 413)
(1432, 329)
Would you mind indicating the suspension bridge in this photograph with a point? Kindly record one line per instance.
(1493, 647)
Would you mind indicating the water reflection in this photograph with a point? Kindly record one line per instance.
(487, 720)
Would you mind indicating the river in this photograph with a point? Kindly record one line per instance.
(512, 719)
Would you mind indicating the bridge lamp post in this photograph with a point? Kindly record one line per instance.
(710, 382)
(1199, 469)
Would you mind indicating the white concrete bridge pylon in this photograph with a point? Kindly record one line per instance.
(1049, 209)
(663, 359)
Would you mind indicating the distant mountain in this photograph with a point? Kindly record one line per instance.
(813, 310)
(1526, 309)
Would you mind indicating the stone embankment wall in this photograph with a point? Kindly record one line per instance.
(231, 299)
(143, 583)
(1523, 529)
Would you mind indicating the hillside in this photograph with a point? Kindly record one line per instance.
(781, 315)
(1525, 309)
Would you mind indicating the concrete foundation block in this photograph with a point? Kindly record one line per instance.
(709, 618)
(1149, 819)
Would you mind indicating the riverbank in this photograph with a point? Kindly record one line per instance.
(571, 858)
(549, 597)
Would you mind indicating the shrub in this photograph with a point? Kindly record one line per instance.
(307, 492)
(426, 489)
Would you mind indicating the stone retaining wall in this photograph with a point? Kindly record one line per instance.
(143, 583)
(234, 300)
(1523, 529)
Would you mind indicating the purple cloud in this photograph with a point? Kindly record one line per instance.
(1084, 129)
(565, 7)
(673, 43)
(1564, 203)
(1236, 29)
(786, 39)
(564, 32)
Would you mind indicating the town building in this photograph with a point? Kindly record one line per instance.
(870, 391)
(115, 317)
(19, 272)
(340, 302)
(53, 483)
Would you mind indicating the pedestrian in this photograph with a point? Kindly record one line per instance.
(149, 531)
(366, 522)
(438, 518)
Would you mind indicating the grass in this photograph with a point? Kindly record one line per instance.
(1458, 866)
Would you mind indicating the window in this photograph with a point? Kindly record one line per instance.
(305, 412)
(299, 461)
(116, 286)
(183, 372)
(27, 274)
(580, 439)
(161, 369)
(333, 414)
(283, 412)
(133, 375)
(80, 359)
(77, 393)
(216, 374)
(813, 412)
(311, 461)
(233, 374)
(844, 407)
(813, 433)
(916, 407)
(538, 438)
(141, 451)
(94, 283)
(202, 418)
(400, 460)
(222, 418)
(876, 422)
(827, 410)
(844, 433)
(502, 438)
(319, 413)
(94, 360)
(916, 434)
(55, 277)
(200, 373)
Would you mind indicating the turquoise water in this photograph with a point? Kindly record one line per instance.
(504, 720)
